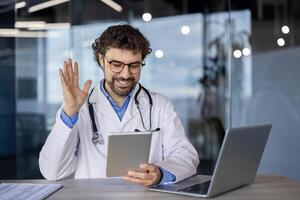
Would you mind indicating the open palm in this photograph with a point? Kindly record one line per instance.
(74, 97)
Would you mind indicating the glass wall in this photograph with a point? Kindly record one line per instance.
(265, 77)
(227, 63)
(224, 69)
(191, 46)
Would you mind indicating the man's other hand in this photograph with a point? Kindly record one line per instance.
(146, 175)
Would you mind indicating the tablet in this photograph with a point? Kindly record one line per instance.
(127, 151)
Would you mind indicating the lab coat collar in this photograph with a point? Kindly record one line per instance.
(102, 105)
(105, 108)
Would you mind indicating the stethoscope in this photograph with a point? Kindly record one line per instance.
(98, 137)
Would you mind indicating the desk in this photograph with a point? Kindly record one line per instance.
(264, 187)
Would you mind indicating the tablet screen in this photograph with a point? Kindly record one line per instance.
(127, 151)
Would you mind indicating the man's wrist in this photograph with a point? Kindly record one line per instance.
(70, 111)
(166, 177)
(70, 121)
(161, 176)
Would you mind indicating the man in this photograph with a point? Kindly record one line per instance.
(120, 52)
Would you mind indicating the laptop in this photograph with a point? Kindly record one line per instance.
(236, 165)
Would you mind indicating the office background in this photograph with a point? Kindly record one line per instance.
(227, 63)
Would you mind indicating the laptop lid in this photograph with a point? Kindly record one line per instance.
(236, 166)
(239, 158)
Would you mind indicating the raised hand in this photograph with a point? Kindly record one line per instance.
(74, 97)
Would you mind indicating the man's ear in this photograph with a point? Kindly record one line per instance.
(100, 60)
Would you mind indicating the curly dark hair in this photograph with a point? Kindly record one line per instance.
(121, 36)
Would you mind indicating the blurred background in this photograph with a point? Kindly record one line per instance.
(228, 63)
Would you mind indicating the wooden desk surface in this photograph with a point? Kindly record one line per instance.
(264, 187)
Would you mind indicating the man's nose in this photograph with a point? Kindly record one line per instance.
(125, 73)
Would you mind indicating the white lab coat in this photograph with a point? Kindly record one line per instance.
(170, 149)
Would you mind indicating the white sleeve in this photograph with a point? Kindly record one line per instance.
(57, 158)
(180, 157)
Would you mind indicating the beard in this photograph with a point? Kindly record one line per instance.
(121, 86)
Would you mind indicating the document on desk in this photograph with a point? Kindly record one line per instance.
(28, 191)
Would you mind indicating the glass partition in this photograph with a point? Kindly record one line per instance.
(190, 43)
(265, 78)
(222, 63)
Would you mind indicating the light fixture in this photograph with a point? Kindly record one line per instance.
(25, 34)
(159, 53)
(8, 32)
(19, 5)
(113, 5)
(237, 53)
(246, 51)
(280, 42)
(51, 26)
(46, 4)
(30, 24)
(285, 29)
(185, 30)
(147, 17)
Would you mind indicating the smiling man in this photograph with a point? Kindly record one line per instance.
(120, 51)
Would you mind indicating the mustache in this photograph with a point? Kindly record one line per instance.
(124, 79)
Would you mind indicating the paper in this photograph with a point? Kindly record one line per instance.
(28, 191)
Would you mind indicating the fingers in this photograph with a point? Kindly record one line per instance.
(76, 75)
(148, 167)
(62, 78)
(69, 77)
(146, 175)
(65, 71)
(140, 175)
(70, 68)
(68, 71)
(86, 86)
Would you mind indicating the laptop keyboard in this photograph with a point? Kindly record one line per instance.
(201, 188)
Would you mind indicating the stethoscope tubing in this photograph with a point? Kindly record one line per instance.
(98, 138)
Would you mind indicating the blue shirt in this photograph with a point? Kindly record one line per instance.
(167, 177)
(119, 110)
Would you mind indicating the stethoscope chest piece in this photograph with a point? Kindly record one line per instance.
(97, 138)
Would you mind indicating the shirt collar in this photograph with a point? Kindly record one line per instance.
(110, 99)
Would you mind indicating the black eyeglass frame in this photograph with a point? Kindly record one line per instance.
(122, 65)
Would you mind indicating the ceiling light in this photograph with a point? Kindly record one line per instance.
(147, 17)
(8, 32)
(49, 26)
(113, 5)
(280, 42)
(159, 53)
(19, 5)
(185, 30)
(30, 24)
(246, 51)
(46, 4)
(25, 34)
(237, 53)
(285, 29)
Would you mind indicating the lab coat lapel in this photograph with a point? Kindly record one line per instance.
(103, 106)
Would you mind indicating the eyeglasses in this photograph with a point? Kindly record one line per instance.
(117, 66)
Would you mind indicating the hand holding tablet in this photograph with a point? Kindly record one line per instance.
(147, 175)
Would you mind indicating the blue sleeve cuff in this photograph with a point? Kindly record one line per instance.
(69, 121)
(167, 177)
